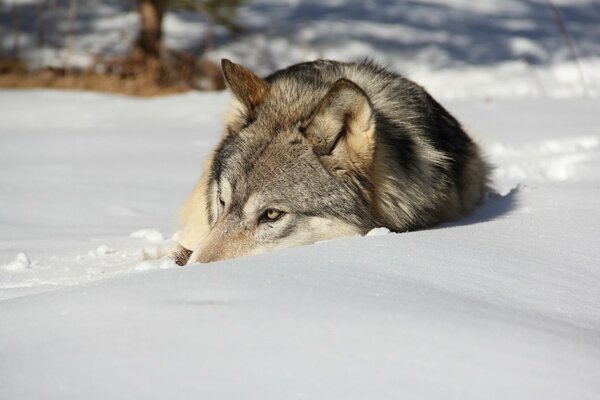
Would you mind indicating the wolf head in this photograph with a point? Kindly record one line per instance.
(293, 167)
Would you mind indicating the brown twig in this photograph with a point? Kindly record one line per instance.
(569, 42)
(16, 28)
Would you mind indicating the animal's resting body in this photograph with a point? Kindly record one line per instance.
(326, 149)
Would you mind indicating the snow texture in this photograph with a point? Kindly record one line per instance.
(502, 304)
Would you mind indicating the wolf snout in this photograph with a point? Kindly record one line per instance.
(224, 242)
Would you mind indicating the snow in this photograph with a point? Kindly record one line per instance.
(75, 169)
(152, 235)
(20, 263)
(502, 304)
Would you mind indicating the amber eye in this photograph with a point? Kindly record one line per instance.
(271, 215)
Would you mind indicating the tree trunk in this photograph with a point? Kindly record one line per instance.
(40, 28)
(149, 41)
(209, 39)
(71, 15)
(16, 28)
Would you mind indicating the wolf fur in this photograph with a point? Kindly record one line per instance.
(331, 149)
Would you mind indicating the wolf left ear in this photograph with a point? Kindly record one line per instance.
(248, 88)
(342, 129)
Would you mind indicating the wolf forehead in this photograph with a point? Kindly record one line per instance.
(274, 166)
(241, 155)
(271, 171)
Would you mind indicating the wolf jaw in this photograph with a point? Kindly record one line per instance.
(330, 149)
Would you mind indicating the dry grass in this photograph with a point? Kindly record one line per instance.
(85, 80)
(148, 78)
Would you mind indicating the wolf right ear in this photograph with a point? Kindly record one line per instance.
(248, 89)
(342, 129)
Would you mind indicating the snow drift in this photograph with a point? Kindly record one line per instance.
(501, 304)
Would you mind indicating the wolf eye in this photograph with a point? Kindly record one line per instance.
(270, 215)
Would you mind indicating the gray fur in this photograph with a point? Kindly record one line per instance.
(421, 168)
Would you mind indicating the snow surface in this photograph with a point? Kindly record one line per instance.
(503, 304)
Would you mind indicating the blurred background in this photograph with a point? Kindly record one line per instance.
(455, 48)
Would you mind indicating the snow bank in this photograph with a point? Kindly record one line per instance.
(75, 175)
(502, 304)
(471, 321)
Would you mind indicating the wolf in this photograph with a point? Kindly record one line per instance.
(326, 149)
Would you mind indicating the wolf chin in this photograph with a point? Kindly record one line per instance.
(326, 149)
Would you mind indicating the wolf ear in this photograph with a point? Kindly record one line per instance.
(342, 129)
(248, 88)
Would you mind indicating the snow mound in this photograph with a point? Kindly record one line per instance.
(151, 235)
(159, 264)
(379, 232)
(151, 253)
(101, 250)
(20, 263)
(553, 159)
(500, 304)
